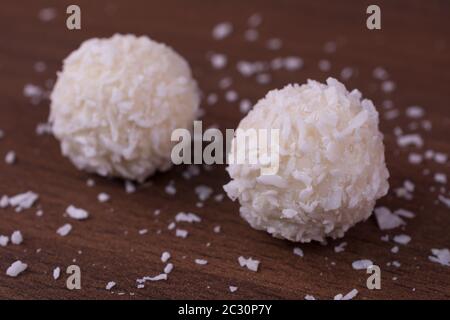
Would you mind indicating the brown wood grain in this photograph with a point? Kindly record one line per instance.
(413, 46)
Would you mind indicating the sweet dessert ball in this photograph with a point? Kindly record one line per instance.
(116, 102)
(331, 163)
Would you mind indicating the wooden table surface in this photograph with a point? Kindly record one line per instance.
(413, 46)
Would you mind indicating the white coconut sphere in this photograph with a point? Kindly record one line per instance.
(331, 163)
(116, 103)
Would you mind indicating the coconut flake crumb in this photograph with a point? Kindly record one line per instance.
(4, 202)
(77, 213)
(404, 213)
(43, 128)
(16, 237)
(203, 192)
(388, 86)
(170, 189)
(380, 73)
(413, 139)
(129, 187)
(440, 178)
(16, 268)
(232, 289)
(218, 60)
(310, 297)
(64, 230)
(47, 14)
(298, 252)
(340, 248)
(441, 256)
(181, 233)
(165, 256)
(444, 200)
(361, 264)
(402, 239)
(324, 65)
(159, 277)
(350, 295)
(415, 112)
(201, 262)
(231, 96)
(415, 158)
(274, 44)
(249, 263)
(187, 217)
(10, 157)
(386, 220)
(217, 229)
(168, 268)
(395, 249)
(244, 106)
(103, 197)
(56, 273)
(110, 285)
(440, 157)
(222, 30)
(4, 241)
(23, 200)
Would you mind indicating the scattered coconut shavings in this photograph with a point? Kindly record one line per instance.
(395, 249)
(254, 20)
(4, 241)
(222, 30)
(187, 217)
(33, 92)
(165, 256)
(310, 297)
(380, 73)
(43, 128)
(212, 99)
(110, 285)
(440, 178)
(4, 202)
(47, 14)
(103, 197)
(340, 248)
(361, 264)
(244, 106)
(415, 112)
(251, 35)
(181, 233)
(386, 220)
(249, 263)
(415, 158)
(339, 296)
(441, 256)
(231, 96)
(413, 139)
(444, 200)
(90, 183)
(201, 262)
(77, 213)
(298, 252)
(402, 239)
(347, 73)
(203, 192)
(274, 44)
(159, 277)
(324, 65)
(10, 157)
(396, 264)
(56, 273)
(23, 201)
(16, 237)
(263, 78)
(171, 226)
(440, 157)
(391, 114)
(217, 229)
(64, 230)
(404, 213)
(39, 66)
(143, 231)
(218, 60)
(292, 63)
(388, 86)
(232, 289)
(130, 187)
(168, 268)
(16, 268)
(350, 295)
(170, 188)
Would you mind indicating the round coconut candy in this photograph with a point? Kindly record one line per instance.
(330, 168)
(116, 102)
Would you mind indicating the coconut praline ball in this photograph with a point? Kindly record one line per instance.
(116, 102)
(331, 164)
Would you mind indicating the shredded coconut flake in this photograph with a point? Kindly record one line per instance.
(16, 237)
(402, 239)
(249, 263)
(361, 264)
(64, 230)
(77, 213)
(16, 268)
(441, 256)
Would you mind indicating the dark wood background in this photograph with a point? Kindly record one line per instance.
(413, 46)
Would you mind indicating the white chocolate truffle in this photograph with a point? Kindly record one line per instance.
(331, 163)
(116, 103)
